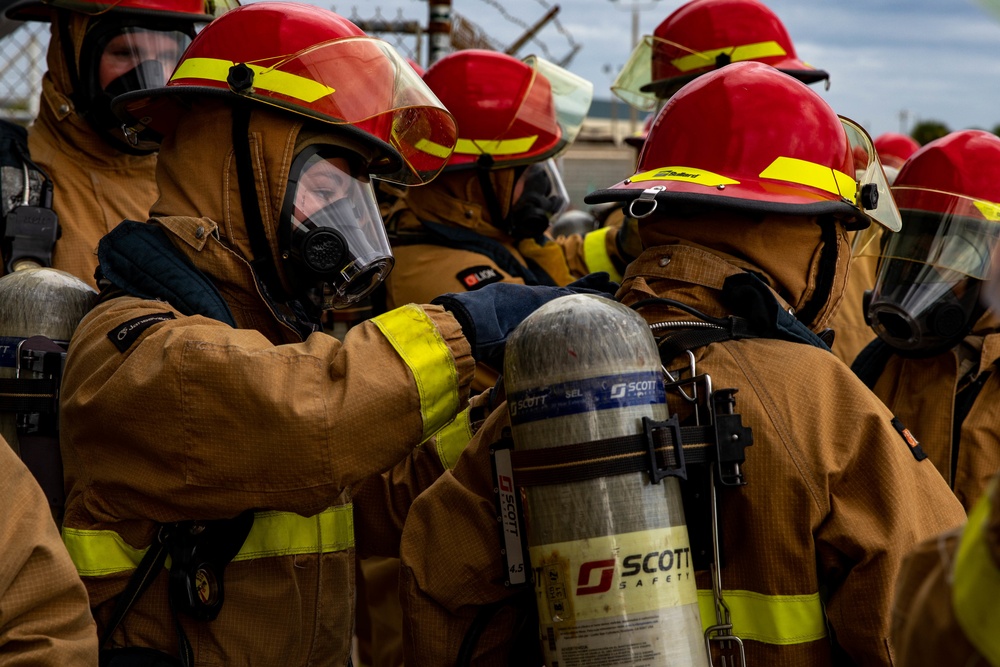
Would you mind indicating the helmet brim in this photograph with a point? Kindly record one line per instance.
(42, 12)
(792, 202)
(793, 67)
(157, 110)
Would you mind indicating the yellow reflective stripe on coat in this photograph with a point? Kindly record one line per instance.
(292, 85)
(595, 253)
(495, 147)
(450, 441)
(771, 619)
(100, 552)
(413, 335)
(976, 587)
(803, 172)
(736, 54)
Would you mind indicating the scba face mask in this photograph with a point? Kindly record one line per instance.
(926, 295)
(332, 237)
(921, 310)
(542, 198)
(121, 58)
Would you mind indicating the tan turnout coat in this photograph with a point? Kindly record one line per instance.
(199, 420)
(834, 498)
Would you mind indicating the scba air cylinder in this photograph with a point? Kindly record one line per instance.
(37, 302)
(610, 556)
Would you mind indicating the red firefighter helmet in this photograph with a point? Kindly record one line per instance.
(926, 293)
(195, 11)
(313, 63)
(517, 112)
(747, 136)
(704, 35)
(894, 148)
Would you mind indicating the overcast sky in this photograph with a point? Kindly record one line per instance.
(931, 59)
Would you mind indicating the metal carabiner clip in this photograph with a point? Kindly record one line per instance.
(648, 196)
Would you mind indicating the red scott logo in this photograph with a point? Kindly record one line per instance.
(607, 570)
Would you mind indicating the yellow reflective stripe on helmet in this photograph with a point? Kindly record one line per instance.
(451, 440)
(684, 175)
(989, 210)
(976, 587)
(274, 80)
(100, 552)
(495, 147)
(432, 148)
(415, 338)
(781, 620)
(595, 253)
(736, 54)
(803, 172)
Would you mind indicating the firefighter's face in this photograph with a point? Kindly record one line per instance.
(321, 184)
(126, 51)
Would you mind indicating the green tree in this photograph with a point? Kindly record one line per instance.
(927, 131)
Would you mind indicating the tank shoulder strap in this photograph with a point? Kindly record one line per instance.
(755, 313)
(139, 259)
(871, 361)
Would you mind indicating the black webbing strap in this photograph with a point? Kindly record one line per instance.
(674, 343)
(663, 449)
(144, 575)
(29, 395)
(263, 261)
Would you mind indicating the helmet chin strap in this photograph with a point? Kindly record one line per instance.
(483, 166)
(504, 223)
(262, 262)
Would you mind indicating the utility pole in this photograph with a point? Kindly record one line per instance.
(438, 30)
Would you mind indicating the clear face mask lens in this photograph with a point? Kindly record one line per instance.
(335, 235)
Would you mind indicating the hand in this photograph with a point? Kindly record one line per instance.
(490, 314)
(598, 283)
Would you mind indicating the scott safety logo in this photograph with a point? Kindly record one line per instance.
(640, 388)
(610, 392)
(606, 568)
(666, 566)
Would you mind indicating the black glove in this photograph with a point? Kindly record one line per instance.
(488, 315)
(627, 239)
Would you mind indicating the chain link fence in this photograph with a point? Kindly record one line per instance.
(22, 64)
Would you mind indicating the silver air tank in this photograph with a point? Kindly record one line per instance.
(37, 302)
(611, 557)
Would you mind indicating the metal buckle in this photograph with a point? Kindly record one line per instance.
(656, 473)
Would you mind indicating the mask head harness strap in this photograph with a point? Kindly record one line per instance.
(484, 164)
(262, 262)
